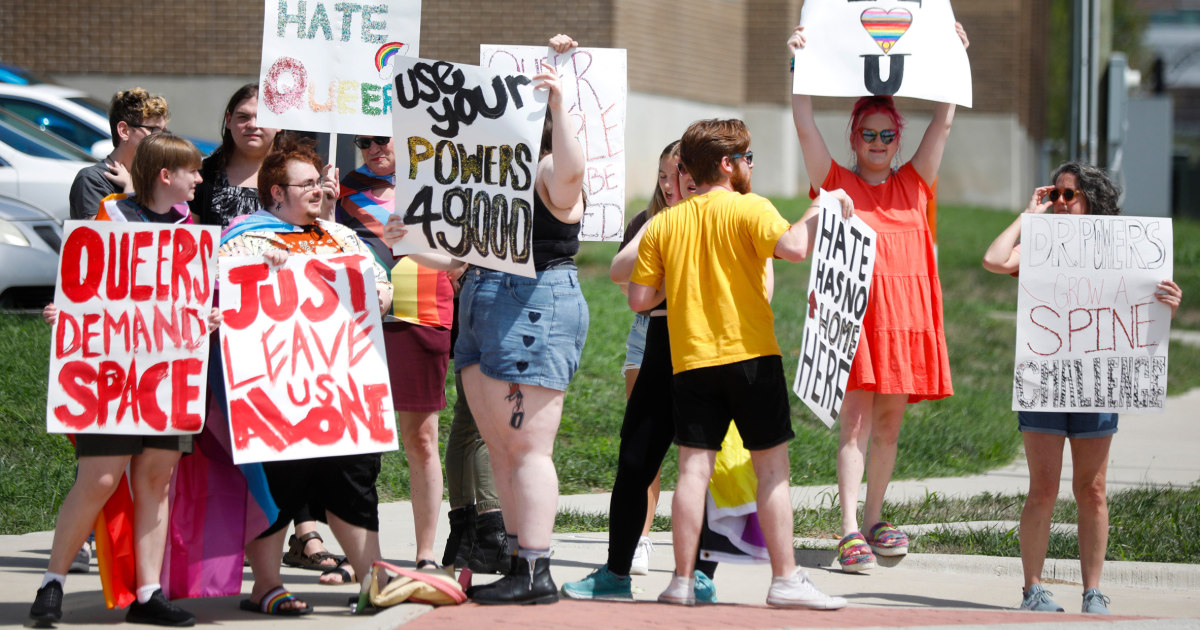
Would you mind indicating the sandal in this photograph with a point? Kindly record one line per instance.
(341, 569)
(272, 602)
(854, 554)
(886, 540)
(295, 556)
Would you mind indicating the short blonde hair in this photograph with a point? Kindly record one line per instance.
(133, 107)
(156, 152)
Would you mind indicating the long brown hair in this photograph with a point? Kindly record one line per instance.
(658, 201)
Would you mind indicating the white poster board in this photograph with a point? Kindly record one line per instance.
(326, 64)
(839, 284)
(303, 360)
(130, 348)
(467, 143)
(1091, 336)
(596, 88)
(882, 47)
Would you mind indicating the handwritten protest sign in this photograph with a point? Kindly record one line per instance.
(884, 47)
(1090, 334)
(326, 64)
(596, 89)
(839, 283)
(470, 140)
(130, 347)
(303, 359)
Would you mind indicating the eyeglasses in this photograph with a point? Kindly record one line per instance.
(1067, 195)
(364, 142)
(749, 155)
(887, 136)
(307, 186)
(151, 128)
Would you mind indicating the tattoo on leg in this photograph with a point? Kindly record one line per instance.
(516, 397)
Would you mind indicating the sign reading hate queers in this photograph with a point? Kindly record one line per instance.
(303, 358)
(839, 283)
(596, 88)
(882, 47)
(326, 64)
(1091, 336)
(467, 142)
(129, 353)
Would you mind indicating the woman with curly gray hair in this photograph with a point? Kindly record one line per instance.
(1078, 189)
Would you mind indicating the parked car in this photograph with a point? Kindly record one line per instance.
(29, 244)
(20, 76)
(71, 115)
(36, 167)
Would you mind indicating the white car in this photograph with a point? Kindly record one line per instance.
(29, 244)
(36, 167)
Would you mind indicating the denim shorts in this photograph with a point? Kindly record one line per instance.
(1073, 424)
(522, 330)
(635, 344)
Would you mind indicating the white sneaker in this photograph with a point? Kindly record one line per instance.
(680, 591)
(83, 560)
(797, 591)
(641, 557)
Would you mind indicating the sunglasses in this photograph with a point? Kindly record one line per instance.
(1067, 195)
(150, 128)
(887, 136)
(749, 155)
(364, 142)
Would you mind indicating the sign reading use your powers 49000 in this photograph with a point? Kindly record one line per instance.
(326, 64)
(839, 284)
(596, 90)
(467, 142)
(1091, 336)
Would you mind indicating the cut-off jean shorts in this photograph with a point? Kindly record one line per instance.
(635, 344)
(522, 330)
(1072, 424)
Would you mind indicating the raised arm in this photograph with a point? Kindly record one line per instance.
(817, 160)
(560, 175)
(1003, 256)
(928, 158)
(797, 243)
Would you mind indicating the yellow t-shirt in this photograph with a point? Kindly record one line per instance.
(709, 254)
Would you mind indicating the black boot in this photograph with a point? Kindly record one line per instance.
(525, 585)
(461, 540)
(490, 553)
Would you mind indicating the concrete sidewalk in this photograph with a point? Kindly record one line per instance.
(917, 591)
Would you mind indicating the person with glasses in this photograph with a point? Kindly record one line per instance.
(902, 356)
(132, 115)
(1078, 188)
(293, 194)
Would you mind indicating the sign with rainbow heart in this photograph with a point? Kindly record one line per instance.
(882, 47)
(326, 64)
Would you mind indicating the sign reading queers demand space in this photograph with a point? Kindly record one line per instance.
(130, 347)
(839, 283)
(882, 47)
(303, 358)
(1091, 336)
(596, 88)
(467, 144)
(326, 64)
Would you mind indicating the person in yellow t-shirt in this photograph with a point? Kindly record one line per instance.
(706, 256)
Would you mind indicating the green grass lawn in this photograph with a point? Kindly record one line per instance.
(36, 469)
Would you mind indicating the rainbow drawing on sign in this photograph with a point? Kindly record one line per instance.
(385, 53)
(886, 27)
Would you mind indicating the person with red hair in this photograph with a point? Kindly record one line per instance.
(902, 355)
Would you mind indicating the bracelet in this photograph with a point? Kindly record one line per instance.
(792, 65)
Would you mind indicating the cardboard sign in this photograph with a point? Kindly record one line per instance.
(839, 284)
(130, 347)
(882, 47)
(303, 358)
(596, 86)
(326, 65)
(467, 143)
(1091, 336)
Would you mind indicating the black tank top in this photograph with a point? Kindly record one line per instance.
(554, 243)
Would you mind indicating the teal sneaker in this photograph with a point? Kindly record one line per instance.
(599, 584)
(706, 591)
(1095, 602)
(1038, 599)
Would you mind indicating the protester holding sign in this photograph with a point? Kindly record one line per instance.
(290, 187)
(230, 186)
(518, 349)
(902, 356)
(164, 171)
(1078, 189)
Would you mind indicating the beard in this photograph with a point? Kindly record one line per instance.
(740, 179)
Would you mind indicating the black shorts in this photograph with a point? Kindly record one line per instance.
(343, 486)
(99, 445)
(752, 392)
